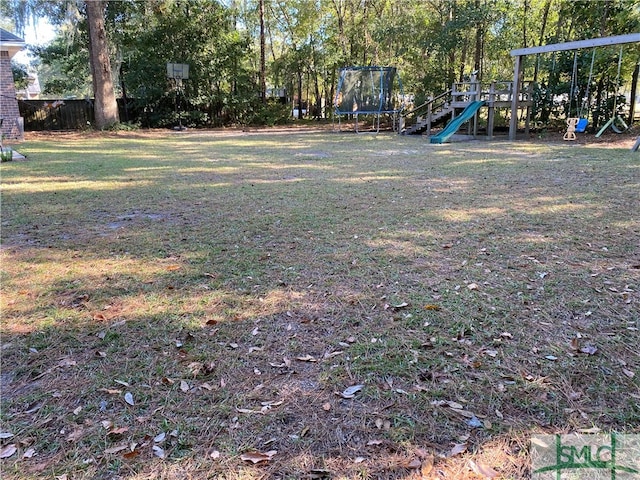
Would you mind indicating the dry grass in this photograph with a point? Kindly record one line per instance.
(235, 283)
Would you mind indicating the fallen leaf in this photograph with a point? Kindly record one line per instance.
(116, 449)
(173, 268)
(75, 435)
(5, 435)
(118, 431)
(195, 368)
(457, 449)
(589, 349)
(246, 410)
(306, 358)
(398, 306)
(447, 403)
(29, 453)
(472, 286)
(131, 454)
(160, 437)
(128, 397)
(427, 463)
(413, 464)
(432, 307)
(158, 451)
(184, 386)
(473, 422)
(351, 391)
(483, 470)
(258, 457)
(628, 373)
(374, 442)
(8, 450)
(110, 391)
(332, 354)
(359, 459)
(67, 362)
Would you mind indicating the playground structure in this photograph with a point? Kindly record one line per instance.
(521, 53)
(461, 104)
(368, 91)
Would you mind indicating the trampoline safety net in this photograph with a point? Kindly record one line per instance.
(367, 90)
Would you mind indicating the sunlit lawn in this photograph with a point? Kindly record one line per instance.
(184, 304)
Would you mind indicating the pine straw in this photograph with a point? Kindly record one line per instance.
(236, 284)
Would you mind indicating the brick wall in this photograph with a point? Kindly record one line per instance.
(12, 126)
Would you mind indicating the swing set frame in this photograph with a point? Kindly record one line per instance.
(519, 54)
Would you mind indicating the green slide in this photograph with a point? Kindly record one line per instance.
(453, 126)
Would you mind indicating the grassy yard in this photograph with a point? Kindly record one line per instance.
(183, 305)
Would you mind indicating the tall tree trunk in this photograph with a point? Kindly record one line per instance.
(599, 109)
(524, 23)
(463, 60)
(543, 28)
(263, 61)
(106, 107)
(452, 54)
(477, 59)
(299, 93)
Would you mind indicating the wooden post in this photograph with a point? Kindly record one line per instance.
(490, 116)
(515, 94)
(429, 115)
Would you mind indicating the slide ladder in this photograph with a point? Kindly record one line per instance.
(453, 126)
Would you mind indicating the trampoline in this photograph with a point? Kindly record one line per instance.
(369, 91)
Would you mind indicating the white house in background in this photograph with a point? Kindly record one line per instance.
(12, 122)
(33, 90)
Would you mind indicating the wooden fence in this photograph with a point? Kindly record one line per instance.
(42, 115)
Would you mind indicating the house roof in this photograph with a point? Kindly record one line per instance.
(10, 43)
(8, 37)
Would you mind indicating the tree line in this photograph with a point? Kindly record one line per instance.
(243, 54)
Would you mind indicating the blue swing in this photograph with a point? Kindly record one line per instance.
(582, 125)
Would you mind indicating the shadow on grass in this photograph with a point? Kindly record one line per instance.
(237, 286)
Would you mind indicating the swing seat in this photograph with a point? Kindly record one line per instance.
(582, 125)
